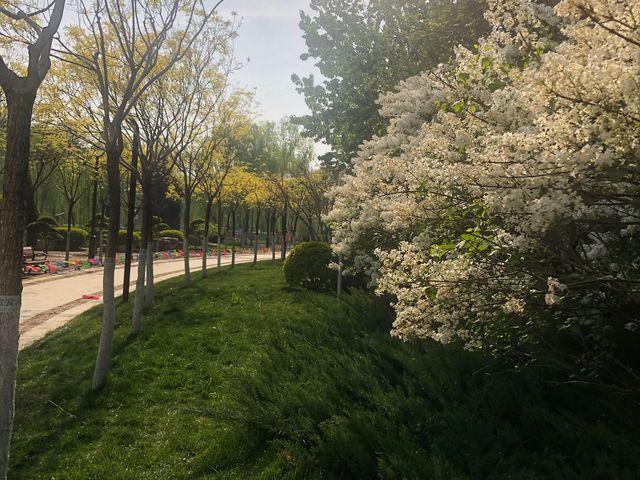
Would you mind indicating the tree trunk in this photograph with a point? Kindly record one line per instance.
(150, 294)
(100, 233)
(205, 241)
(268, 239)
(246, 226)
(103, 360)
(131, 208)
(233, 236)
(31, 214)
(12, 225)
(136, 321)
(94, 206)
(283, 251)
(295, 229)
(67, 247)
(255, 246)
(149, 298)
(274, 233)
(219, 234)
(185, 241)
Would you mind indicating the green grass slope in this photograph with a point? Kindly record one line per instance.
(239, 377)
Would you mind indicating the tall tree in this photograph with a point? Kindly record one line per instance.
(70, 181)
(228, 126)
(199, 87)
(363, 48)
(19, 25)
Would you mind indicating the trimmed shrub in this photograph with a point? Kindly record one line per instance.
(159, 227)
(177, 234)
(78, 238)
(307, 266)
(42, 232)
(49, 220)
(122, 239)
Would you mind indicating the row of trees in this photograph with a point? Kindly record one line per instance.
(138, 110)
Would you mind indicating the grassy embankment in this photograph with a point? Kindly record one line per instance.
(239, 377)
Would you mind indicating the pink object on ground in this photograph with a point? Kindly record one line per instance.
(90, 297)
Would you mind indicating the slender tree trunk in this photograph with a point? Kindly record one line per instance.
(31, 206)
(149, 298)
(12, 225)
(275, 234)
(131, 208)
(246, 226)
(295, 229)
(67, 247)
(185, 241)
(283, 251)
(94, 207)
(268, 239)
(233, 236)
(103, 360)
(136, 321)
(219, 234)
(205, 241)
(100, 233)
(255, 246)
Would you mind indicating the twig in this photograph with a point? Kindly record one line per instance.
(62, 409)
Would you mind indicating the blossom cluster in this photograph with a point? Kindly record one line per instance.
(505, 194)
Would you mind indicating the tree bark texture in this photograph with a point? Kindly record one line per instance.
(131, 207)
(12, 226)
(138, 302)
(103, 359)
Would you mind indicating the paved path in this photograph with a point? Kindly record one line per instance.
(51, 303)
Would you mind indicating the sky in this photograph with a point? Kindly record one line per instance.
(272, 41)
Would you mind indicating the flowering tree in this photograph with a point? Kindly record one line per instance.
(501, 209)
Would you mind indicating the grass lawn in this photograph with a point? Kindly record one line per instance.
(239, 377)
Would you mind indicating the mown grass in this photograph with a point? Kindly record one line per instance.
(239, 377)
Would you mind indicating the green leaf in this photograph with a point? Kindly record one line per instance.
(458, 106)
(496, 85)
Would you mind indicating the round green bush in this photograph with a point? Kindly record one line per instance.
(177, 234)
(49, 220)
(307, 266)
(41, 234)
(78, 238)
(122, 239)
